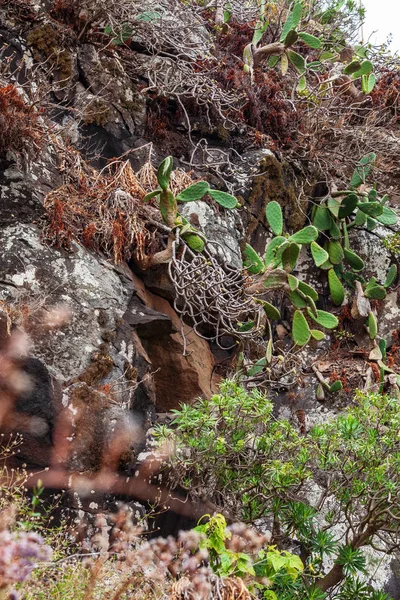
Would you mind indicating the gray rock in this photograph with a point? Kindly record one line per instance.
(43, 277)
(389, 317)
(224, 228)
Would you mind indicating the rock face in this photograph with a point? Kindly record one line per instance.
(225, 228)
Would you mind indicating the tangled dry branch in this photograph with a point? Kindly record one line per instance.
(212, 296)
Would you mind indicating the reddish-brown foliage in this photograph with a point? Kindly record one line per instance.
(20, 127)
(386, 94)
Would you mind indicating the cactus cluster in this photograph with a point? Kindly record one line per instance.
(279, 260)
(282, 52)
(328, 240)
(334, 217)
(168, 203)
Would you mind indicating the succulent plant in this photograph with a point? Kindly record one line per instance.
(274, 216)
(300, 329)
(335, 287)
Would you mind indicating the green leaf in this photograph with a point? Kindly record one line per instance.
(310, 40)
(252, 262)
(335, 251)
(297, 300)
(362, 170)
(327, 55)
(308, 290)
(293, 282)
(333, 206)
(302, 84)
(196, 191)
(164, 172)
(291, 38)
(273, 61)
(388, 216)
(273, 212)
(224, 199)
(354, 260)
(297, 61)
(372, 326)
(324, 319)
(300, 330)
(375, 292)
(270, 253)
(268, 352)
(152, 194)
(366, 67)
(319, 254)
(271, 311)
(391, 276)
(352, 67)
(290, 256)
(258, 367)
(194, 241)
(292, 21)
(336, 288)
(322, 218)
(348, 205)
(371, 224)
(317, 334)
(361, 218)
(336, 386)
(372, 209)
(305, 235)
(335, 232)
(243, 327)
(370, 83)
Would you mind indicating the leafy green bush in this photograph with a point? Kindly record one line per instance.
(231, 450)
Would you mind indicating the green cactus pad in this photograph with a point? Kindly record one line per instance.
(376, 292)
(270, 253)
(252, 262)
(347, 205)
(271, 311)
(297, 300)
(322, 218)
(324, 319)
(336, 288)
(388, 216)
(354, 260)
(193, 192)
(372, 326)
(317, 334)
(308, 290)
(290, 256)
(372, 209)
(319, 254)
(273, 212)
(336, 386)
(164, 172)
(300, 330)
(335, 251)
(293, 282)
(391, 276)
(224, 199)
(305, 236)
(194, 241)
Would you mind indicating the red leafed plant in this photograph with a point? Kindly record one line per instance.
(20, 128)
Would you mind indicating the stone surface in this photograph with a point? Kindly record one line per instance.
(179, 376)
(221, 226)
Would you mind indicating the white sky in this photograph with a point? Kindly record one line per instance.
(383, 16)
